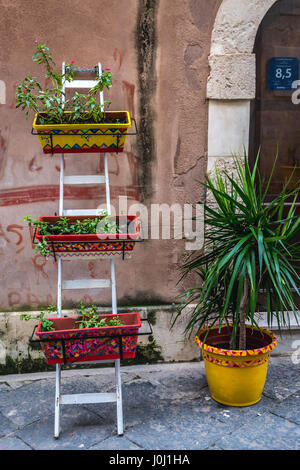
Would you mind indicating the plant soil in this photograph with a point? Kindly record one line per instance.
(255, 339)
(249, 345)
(52, 229)
(105, 120)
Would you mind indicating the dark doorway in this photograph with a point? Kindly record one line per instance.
(275, 119)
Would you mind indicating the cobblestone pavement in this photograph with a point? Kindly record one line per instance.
(166, 406)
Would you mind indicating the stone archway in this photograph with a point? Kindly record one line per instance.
(232, 81)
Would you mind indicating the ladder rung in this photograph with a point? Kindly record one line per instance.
(81, 398)
(84, 179)
(86, 284)
(81, 84)
(83, 212)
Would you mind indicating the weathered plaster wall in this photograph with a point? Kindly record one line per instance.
(158, 53)
(182, 109)
(86, 33)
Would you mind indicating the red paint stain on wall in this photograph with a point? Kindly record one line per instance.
(118, 55)
(128, 89)
(39, 262)
(3, 234)
(91, 270)
(14, 228)
(32, 299)
(33, 166)
(12, 104)
(14, 298)
(57, 167)
(3, 147)
(49, 300)
(44, 193)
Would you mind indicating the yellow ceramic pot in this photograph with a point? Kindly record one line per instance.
(84, 138)
(235, 377)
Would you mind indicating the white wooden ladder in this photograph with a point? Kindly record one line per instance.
(63, 284)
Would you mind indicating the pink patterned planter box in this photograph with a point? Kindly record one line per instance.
(69, 344)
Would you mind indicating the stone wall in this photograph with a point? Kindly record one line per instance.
(159, 60)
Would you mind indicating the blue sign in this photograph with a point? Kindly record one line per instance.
(283, 71)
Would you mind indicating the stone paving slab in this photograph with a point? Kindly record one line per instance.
(80, 429)
(13, 443)
(28, 403)
(283, 379)
(166, 407)
(6, 426)
(267, 432)
(116, 443)
(182, 432)
(289, 408)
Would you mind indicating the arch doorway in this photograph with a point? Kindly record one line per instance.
(275, 119)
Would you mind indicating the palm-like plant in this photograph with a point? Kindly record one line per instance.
(250, 248)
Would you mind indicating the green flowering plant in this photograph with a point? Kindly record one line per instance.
(51, 103)
(87, 317)
(46, 324)
(103, 224)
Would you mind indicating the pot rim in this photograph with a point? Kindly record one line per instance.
(73, 126)
(72, 331)
(237, 352)
(73, 237)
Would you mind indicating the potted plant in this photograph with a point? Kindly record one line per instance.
(79, 124)
(88, 336)
(85, 235)
(250, 251)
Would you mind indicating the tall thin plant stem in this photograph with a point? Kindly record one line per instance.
(243, 308)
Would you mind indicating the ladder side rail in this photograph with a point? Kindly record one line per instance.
(61, 212)
(101, 93)
(120, 425)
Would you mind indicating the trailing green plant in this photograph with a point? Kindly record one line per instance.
(42, 248)
(251, 248)
(46, 324)
(103, 224)
(51, 103)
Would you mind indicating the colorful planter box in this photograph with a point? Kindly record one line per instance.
(68, 344)
(84, 138)
(93, 244)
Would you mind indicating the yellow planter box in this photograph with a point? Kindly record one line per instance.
(83, 138)
(235, 377)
